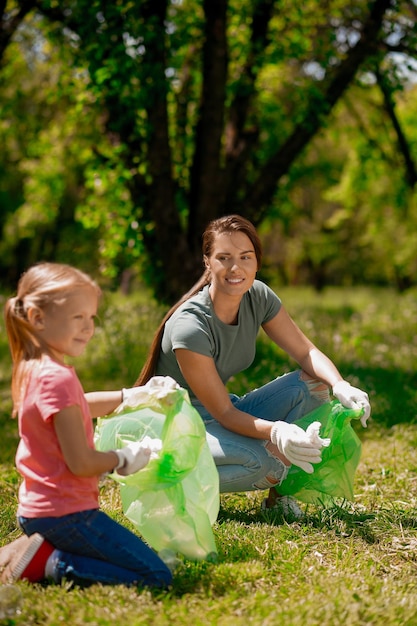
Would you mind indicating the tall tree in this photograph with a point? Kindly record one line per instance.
(209, 103)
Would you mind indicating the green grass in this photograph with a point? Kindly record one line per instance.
(348, 564)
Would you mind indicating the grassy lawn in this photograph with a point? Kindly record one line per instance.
(350, 564)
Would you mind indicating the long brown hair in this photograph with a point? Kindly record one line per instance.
(226, 224)
(40, 286)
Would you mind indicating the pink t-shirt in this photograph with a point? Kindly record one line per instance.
(49, 488)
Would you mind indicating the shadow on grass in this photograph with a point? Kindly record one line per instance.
(343, 521)
(320, 517)
(342, 518)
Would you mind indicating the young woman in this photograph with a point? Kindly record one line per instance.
(210, 335)
(67, 536)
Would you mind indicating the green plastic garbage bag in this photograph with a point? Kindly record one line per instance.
(174, 500)
(333, 477)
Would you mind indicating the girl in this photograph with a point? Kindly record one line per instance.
(67, 536)
(210, 335)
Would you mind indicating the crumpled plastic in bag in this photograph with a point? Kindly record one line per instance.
(154, 445)
(334, 476)
(174, 500)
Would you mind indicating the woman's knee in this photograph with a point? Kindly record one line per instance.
(318, 390)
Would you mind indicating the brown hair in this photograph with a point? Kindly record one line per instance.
(40, 286)
(226, 224)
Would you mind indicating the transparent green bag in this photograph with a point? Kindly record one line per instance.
(174, 500)
(334, 476)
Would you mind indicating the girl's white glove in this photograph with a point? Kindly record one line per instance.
(159, 387)
(136, 455)
(301, 448)
(352, 398)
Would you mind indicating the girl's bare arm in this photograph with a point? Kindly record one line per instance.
(81, 459)
(103, 402)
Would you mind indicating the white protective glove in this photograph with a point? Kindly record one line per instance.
(313, 432)
(353, 398)
(301, 448)
(136, 455)
(157, 389)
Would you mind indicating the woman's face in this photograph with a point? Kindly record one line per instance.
(232, 263)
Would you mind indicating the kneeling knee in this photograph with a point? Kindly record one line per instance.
(317, 389)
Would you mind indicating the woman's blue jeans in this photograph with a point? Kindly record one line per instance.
(93, 548)
(246, 464)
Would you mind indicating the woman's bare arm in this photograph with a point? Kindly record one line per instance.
(201, 374)
(283, 331)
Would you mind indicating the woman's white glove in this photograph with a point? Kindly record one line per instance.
(352, 398)
(313, 433)
(136, 455)
(301, 448)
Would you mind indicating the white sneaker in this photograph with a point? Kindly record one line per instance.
(285, 506)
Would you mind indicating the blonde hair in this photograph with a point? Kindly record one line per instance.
(40, 286)
(226, 224)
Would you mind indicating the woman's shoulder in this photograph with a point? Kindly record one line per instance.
(198, 304)
(262, 301)
(259, 288)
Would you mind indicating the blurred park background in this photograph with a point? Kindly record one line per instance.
(126, 126)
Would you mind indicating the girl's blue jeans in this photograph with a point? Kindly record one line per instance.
(93, 548)
(246, 464)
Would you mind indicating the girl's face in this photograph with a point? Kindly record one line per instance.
(67, 326)
(232, 264)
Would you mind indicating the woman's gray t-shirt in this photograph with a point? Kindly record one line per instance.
(194, 326)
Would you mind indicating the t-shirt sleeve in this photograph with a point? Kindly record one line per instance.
(191, 332)
(57, 391)
(268, 301)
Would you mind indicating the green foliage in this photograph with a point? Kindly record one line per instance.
(375, 204)
(346, 214)
(349, 563)
(121, 141)
(48, 135)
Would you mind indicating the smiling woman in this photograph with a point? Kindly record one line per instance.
(210, 335)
